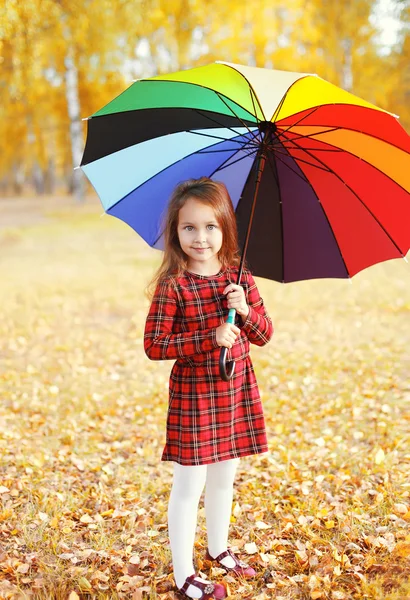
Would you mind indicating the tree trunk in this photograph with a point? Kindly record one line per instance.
(73, 106)
(347, 68)
(50, 177)
(38, 178)
(18, 178)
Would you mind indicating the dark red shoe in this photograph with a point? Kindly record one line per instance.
(209, 590)
(240, 568)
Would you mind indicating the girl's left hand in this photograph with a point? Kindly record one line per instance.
(236, 299)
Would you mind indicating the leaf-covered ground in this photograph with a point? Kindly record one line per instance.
(83, 493)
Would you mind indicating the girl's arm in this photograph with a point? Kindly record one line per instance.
(257, 325)
(160, 343)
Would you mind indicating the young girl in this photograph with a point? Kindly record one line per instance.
(210, 422)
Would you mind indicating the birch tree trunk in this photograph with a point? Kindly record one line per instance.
(73, 106)
(347, 68)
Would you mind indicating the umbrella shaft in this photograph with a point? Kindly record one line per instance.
(261, 165)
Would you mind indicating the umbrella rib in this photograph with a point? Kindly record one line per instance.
(254, 108)
(276, 177)
(232, 111)
(277, 152)
(243, 145)
(226, 150)
(216, 137)
(221, 124)
(306, 180)
(361, 201)
(279, 106)
(224, 165)
(301, 119)
(300, 136)
(253, 98)
(251, 87)
(323, 149)
(302, 177)
(306, 162)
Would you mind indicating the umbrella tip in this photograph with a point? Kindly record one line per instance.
(86, 118)
(79, 167)
(405, 259)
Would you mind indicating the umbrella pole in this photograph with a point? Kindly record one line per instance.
(226, 370)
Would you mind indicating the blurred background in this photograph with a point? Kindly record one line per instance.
(61, 60)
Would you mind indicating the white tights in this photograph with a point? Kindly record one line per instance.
(187, 487)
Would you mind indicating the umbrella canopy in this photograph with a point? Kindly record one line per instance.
(334, 194)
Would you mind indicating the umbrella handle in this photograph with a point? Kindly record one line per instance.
(226, 370)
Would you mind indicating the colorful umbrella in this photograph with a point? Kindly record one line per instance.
(319, 178)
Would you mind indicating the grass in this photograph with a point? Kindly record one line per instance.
(83, 493)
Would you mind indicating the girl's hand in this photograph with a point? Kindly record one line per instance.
(236, 299)
(226, 334)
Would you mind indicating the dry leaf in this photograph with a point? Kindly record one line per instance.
(379, 456)
(251, 548)
(86, 519)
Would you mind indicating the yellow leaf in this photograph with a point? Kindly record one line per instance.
(84, 583)
(379, 456)
(402, 549)
(73, 596)
(330, 524)
(86, 519)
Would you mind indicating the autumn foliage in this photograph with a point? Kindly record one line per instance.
(83, 493)
(63, 60)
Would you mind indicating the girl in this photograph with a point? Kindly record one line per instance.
(210, 422)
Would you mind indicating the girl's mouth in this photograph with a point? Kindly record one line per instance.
(201, 250)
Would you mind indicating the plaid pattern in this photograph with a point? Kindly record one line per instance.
(208, 419)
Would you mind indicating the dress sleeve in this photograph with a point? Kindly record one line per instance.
(258, 325)
(160, 343)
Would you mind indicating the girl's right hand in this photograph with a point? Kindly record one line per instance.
(226, 334)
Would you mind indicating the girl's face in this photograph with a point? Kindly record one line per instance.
(199, 233)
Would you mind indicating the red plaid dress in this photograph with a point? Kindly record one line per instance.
(208, 420)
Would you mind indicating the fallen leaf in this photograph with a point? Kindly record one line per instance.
(251, 548)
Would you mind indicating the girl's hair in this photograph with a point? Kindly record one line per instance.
(209, 192)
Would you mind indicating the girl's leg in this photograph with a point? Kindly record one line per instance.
(187, 486)
(218, 506)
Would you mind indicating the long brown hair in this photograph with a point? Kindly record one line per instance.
(211, 193)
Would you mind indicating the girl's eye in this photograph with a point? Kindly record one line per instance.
(190, 227)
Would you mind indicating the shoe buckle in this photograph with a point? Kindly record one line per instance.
(209, 588)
